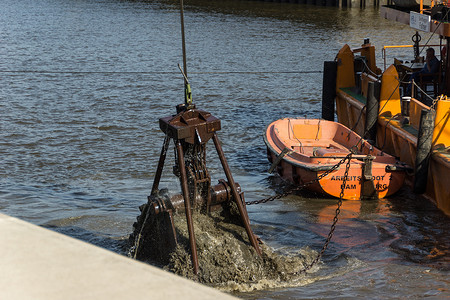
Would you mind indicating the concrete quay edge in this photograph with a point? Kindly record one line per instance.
(37, 263)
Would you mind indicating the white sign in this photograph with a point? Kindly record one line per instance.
(419, 21)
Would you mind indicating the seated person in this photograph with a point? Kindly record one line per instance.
(431, 66)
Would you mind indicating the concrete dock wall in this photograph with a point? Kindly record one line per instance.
(37, 263)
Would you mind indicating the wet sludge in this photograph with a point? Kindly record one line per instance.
(226, 258)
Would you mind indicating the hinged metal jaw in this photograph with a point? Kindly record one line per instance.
(190, 129)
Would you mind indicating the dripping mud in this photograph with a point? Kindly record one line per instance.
(228, 262)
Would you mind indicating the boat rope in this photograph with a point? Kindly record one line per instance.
(368, 69)
(385, 130)
(432, 34)
(420, 89)
(423, 92)
(152, 72)
(401, 80)
(318, 130)
(397, 115)
(293, 134)
(364, 108)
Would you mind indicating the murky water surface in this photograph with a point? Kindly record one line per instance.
(83, 84)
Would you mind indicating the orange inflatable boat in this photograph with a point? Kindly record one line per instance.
(303, 149)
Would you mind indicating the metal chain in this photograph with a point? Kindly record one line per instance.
(338, 209)
(304, 185)
(435, 101)
(335, 220)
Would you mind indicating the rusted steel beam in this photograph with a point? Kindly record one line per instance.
(187, 206)
(159, 170)
(236, 196)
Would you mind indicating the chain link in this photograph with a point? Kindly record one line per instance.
(435, 101)
(298, 188)
(338, 209)
(335, 220)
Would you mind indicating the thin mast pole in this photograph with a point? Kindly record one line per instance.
(183, 39)
(187, 88)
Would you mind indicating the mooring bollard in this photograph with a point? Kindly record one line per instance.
(423, 152)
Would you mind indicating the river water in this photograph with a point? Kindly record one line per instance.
(84, 82)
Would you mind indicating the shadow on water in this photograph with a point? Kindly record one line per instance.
(282, 11)
(405, 228)
(421, 231)
(303, 15)
(119, 245)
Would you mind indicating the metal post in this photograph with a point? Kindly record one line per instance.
(329, 90)
(423, 152)
(235, 193)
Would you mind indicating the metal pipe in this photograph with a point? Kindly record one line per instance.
(187, 206)
(235, 193)
(220, 193)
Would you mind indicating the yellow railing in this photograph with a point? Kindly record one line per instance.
(383, 51)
